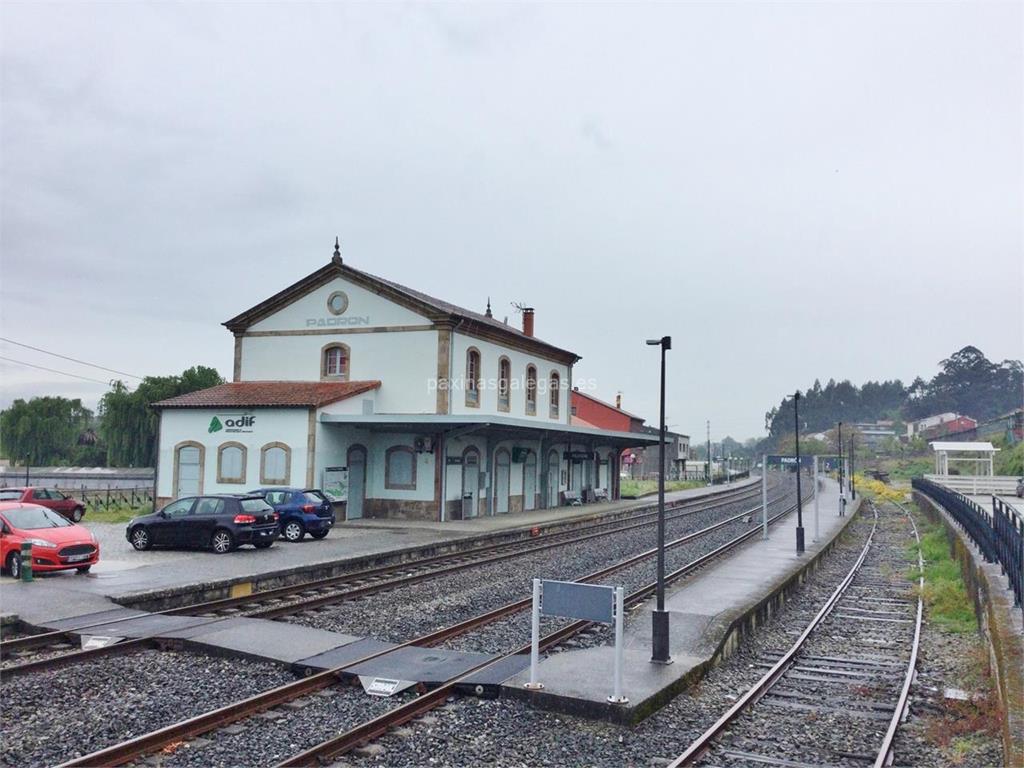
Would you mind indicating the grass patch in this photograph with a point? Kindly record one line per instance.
(945, 596)
(115, 513)
(635, 488)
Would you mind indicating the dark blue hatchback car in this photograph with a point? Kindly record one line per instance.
(301, 510)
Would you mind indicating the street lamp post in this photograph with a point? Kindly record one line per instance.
(853, 486)
(842, 498)
(799, 502)
(659, 617)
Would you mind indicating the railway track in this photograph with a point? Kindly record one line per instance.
(293, 599)
(172, 736)
(837, 696)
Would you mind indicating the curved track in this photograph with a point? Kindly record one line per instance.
(844, 679)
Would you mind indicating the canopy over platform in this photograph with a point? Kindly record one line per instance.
(947, 451)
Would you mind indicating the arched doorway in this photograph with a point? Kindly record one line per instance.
(470, 482)
(188, 469)
(356, 482)
(530, 481)
(554, 472)
(502, 480)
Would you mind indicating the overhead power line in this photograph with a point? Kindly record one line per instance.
(72, 359)
(52, 370)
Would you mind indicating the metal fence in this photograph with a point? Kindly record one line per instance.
(106, 497)
(999, 535)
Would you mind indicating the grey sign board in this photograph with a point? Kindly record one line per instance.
(592, 602)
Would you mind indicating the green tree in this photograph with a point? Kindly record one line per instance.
(44, 430)
(128, 424)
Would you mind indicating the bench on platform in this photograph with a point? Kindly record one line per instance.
(571, 498)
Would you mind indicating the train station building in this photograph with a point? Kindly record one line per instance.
(396, 403)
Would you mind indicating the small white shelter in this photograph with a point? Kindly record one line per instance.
(979, 454)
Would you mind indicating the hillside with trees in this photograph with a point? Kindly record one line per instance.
(967, 383)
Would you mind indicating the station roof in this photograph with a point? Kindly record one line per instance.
(437, 310)
(951, 445)
(270, 394)
(466, 423)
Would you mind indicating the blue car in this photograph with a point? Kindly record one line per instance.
(302, 511)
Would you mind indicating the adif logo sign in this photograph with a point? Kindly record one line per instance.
(232, 424)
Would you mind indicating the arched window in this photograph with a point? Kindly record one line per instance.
(473, 377)
(504, 375)
(231, 463)
(334, 362)
(555, 394)
(275, 464)
(400, 468)
(531, 390)
(189, 468)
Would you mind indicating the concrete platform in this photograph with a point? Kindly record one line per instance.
(707, 614)
(430, 666)
(268, 640)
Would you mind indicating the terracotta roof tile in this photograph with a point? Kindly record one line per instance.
(265, 394)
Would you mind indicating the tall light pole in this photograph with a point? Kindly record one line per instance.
(839, 439)
(853, 486)
(659, 617)
(799, 503)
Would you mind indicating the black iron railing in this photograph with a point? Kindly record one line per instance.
(1009, 535)
(999, 534)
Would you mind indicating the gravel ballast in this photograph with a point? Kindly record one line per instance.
(53, 716)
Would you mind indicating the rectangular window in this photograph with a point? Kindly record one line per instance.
(400, 468)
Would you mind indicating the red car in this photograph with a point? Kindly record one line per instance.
(70, 507)
(57, 544)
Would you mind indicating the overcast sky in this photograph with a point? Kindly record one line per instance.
(789, 190)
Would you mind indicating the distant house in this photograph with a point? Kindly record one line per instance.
(959, 429)
(915, 428)
(876, 432)
(587, 411)
(646, 460)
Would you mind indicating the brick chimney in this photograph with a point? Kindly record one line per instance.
(618, 400)
(528, 321)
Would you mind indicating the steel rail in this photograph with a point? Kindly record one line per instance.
(123, 752)
(758, 689)
(54, 662)
(719, 499)
(700, 746)
(885, 753)
(371, 729)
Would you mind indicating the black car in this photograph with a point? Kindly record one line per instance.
(221, 522)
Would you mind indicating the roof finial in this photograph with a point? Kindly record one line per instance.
(488, 312)
(336, 258)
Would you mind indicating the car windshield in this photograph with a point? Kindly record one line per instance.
(256, 505)
(314, 497)
(10, 495)
(34, 518)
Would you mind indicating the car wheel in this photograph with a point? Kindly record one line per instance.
(14, 565)
(222, 541)
(77, 514)
(294, 531)
(262, 544)
(83, 568)
(140, 538)
(319, 534)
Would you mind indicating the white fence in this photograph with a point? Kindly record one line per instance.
(977, 485)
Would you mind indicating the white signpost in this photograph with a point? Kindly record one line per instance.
(590, 602)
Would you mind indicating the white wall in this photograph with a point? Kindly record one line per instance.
(286, 425)
(377, 311)
(404, 361)
(489, 355)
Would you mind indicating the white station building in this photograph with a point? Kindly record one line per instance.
(397, 404)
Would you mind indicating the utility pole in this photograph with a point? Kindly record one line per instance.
(710, 481)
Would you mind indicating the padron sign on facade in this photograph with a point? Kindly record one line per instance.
(337, 304)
